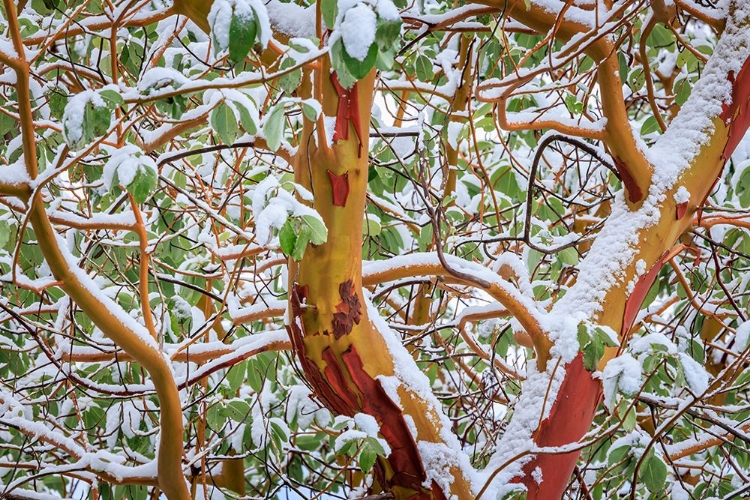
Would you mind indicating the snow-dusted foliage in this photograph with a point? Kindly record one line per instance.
(162, 151)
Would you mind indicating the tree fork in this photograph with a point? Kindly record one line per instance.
(340, 349)
(573, 411)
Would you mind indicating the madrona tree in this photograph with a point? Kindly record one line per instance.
(374, 248)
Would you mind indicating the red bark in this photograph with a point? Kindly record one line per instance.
(642, 286)
(345, 388)
(404, 457)
(568, 421)
(348, 111)
(631, 186)
(737, 114)
(339, 187)
(681, 210)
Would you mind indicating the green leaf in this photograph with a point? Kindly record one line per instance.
(367, 459)
(360, 69)
(345, 77)
(310, 112)
(629, 420)
(388, 34)
(688, 59)
(606, 336)
(623, 65)
(290, 81)
(653, 472)
(650, 125)
(423, 66)
(329, 9)
(425, 237)
(307, 442)
(237, 410)
(617, 455)
(586, 64)
(504, 180)
(592, 353)
(278, 433)
(57, 101)
(95, 123)
(215, 417)
(287, 238)
(568, 256)
(592, 346)
(224, 123)
(573, 104)
(143, 184)
(302, 49)
(682, 91)
(626, 412)
(637, 79)
(386, 58)
(274, 127)
(375, 445)
(660, 36)
(242, 33)
(255, 375)
(93, 417)
(236, 376)
(744, 198)
(300, 245)
(371, 227)
(319, 232)
(112, 96)
(246, 119)
(174, 106)
(4, 232)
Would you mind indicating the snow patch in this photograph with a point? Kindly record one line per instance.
(623, 373)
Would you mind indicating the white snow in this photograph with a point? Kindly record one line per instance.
(291, 19)
(682, 195)
(643, 344)
(220, 19)
(14, 174)
(272, 206)
(74, 114)
(695, 375)
(454, 129)
(536, 475)
(358, 30)
(388, 11)
(622, 373)
(742, 337)
(158, 78)
(126, 162)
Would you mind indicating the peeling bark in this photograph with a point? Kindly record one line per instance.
(629, 182)
(340, 188)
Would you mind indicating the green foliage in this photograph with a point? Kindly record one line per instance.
(242, 34)
(593, 340)
(441, 173)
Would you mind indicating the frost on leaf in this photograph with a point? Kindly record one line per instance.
(86, 117)
(363, 37)
(621, 374)
(130, 168)
(281, 221)
(236, 24)
(358, 31)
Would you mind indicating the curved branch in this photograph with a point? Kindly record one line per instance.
(523, 308)
(103, 312)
